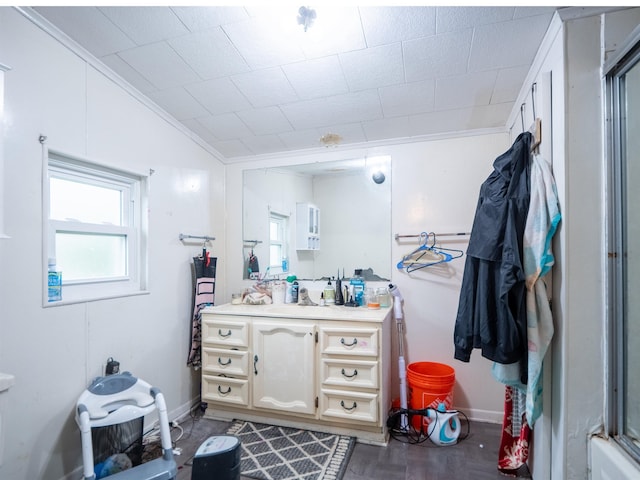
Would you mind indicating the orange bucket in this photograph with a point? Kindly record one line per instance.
(430, 384)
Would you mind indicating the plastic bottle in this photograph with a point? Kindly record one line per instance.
(288, 296)
(294, 292)
(329, 294)
(357, 282)
(285, 265)
(54, 282)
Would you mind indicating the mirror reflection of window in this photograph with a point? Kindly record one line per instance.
(278, 245)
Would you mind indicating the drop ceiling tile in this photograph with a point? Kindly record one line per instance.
(159, 64)
(265, 121)
(227, 126)
(532, 11)
(265, 87)
(209, 53)
(407, 98)
(385, 128)
(261, 144)
(460, 120)
(219, 95)
(335, 30)
(507, 44)
(146, 24)
(452, 19)
(465, 90)
(321, 112)
(394, 24)
(202, 18)
(263, 43)
(232, 148)
(437, 56)
(301, 139)
(350, 132)
(89, 27)
(126, 71)
(508, 84)
(178, 103)
(374, 67)
(321, 77)
(196, 127)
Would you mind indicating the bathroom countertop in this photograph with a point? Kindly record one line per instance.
(332, 312)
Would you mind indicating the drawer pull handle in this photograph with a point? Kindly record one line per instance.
(224, 364)
(353, 407)
(355, 341)
(224, 335)
(224, 393)
(255, 361)
(355, 372)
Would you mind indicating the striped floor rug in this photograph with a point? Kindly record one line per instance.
(281, 453)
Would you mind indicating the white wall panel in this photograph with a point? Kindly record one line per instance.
(55, 351)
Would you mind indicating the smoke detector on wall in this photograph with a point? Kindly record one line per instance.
(330, 139)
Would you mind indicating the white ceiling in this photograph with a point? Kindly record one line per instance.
(251, 81)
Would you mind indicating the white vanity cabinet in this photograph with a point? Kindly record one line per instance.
(319, 368)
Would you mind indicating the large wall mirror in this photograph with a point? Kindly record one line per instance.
(323, 219)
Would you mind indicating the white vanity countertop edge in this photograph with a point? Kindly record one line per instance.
(333, 312)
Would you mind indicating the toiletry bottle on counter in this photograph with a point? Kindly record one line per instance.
(329, 294)
(358, 287)
(288, 296)
(294, 292)
(54, 282)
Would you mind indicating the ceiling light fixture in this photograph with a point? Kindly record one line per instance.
(306, 16)
(330, 139)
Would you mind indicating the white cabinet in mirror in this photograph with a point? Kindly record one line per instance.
(348, 228)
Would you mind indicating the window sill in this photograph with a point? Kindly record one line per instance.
(94, 298)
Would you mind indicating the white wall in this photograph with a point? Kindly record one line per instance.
(55, 352)
(434, 187)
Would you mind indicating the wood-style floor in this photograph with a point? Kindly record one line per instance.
(475, 457)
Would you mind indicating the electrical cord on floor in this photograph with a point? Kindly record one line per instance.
(412, 435)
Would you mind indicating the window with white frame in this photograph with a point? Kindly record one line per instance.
(95, 228)
(278, 248)
(623, 92)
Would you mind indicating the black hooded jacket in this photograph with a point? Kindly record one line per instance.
(492, 311)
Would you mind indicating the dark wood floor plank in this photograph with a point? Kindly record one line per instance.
(475, 457)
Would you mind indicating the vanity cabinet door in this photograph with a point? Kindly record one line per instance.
(282, 366)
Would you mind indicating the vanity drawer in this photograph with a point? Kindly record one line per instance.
(349, 341)
(229, 362)
(350, 373)
(225, 390)
(224, 332)
(349, 406)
